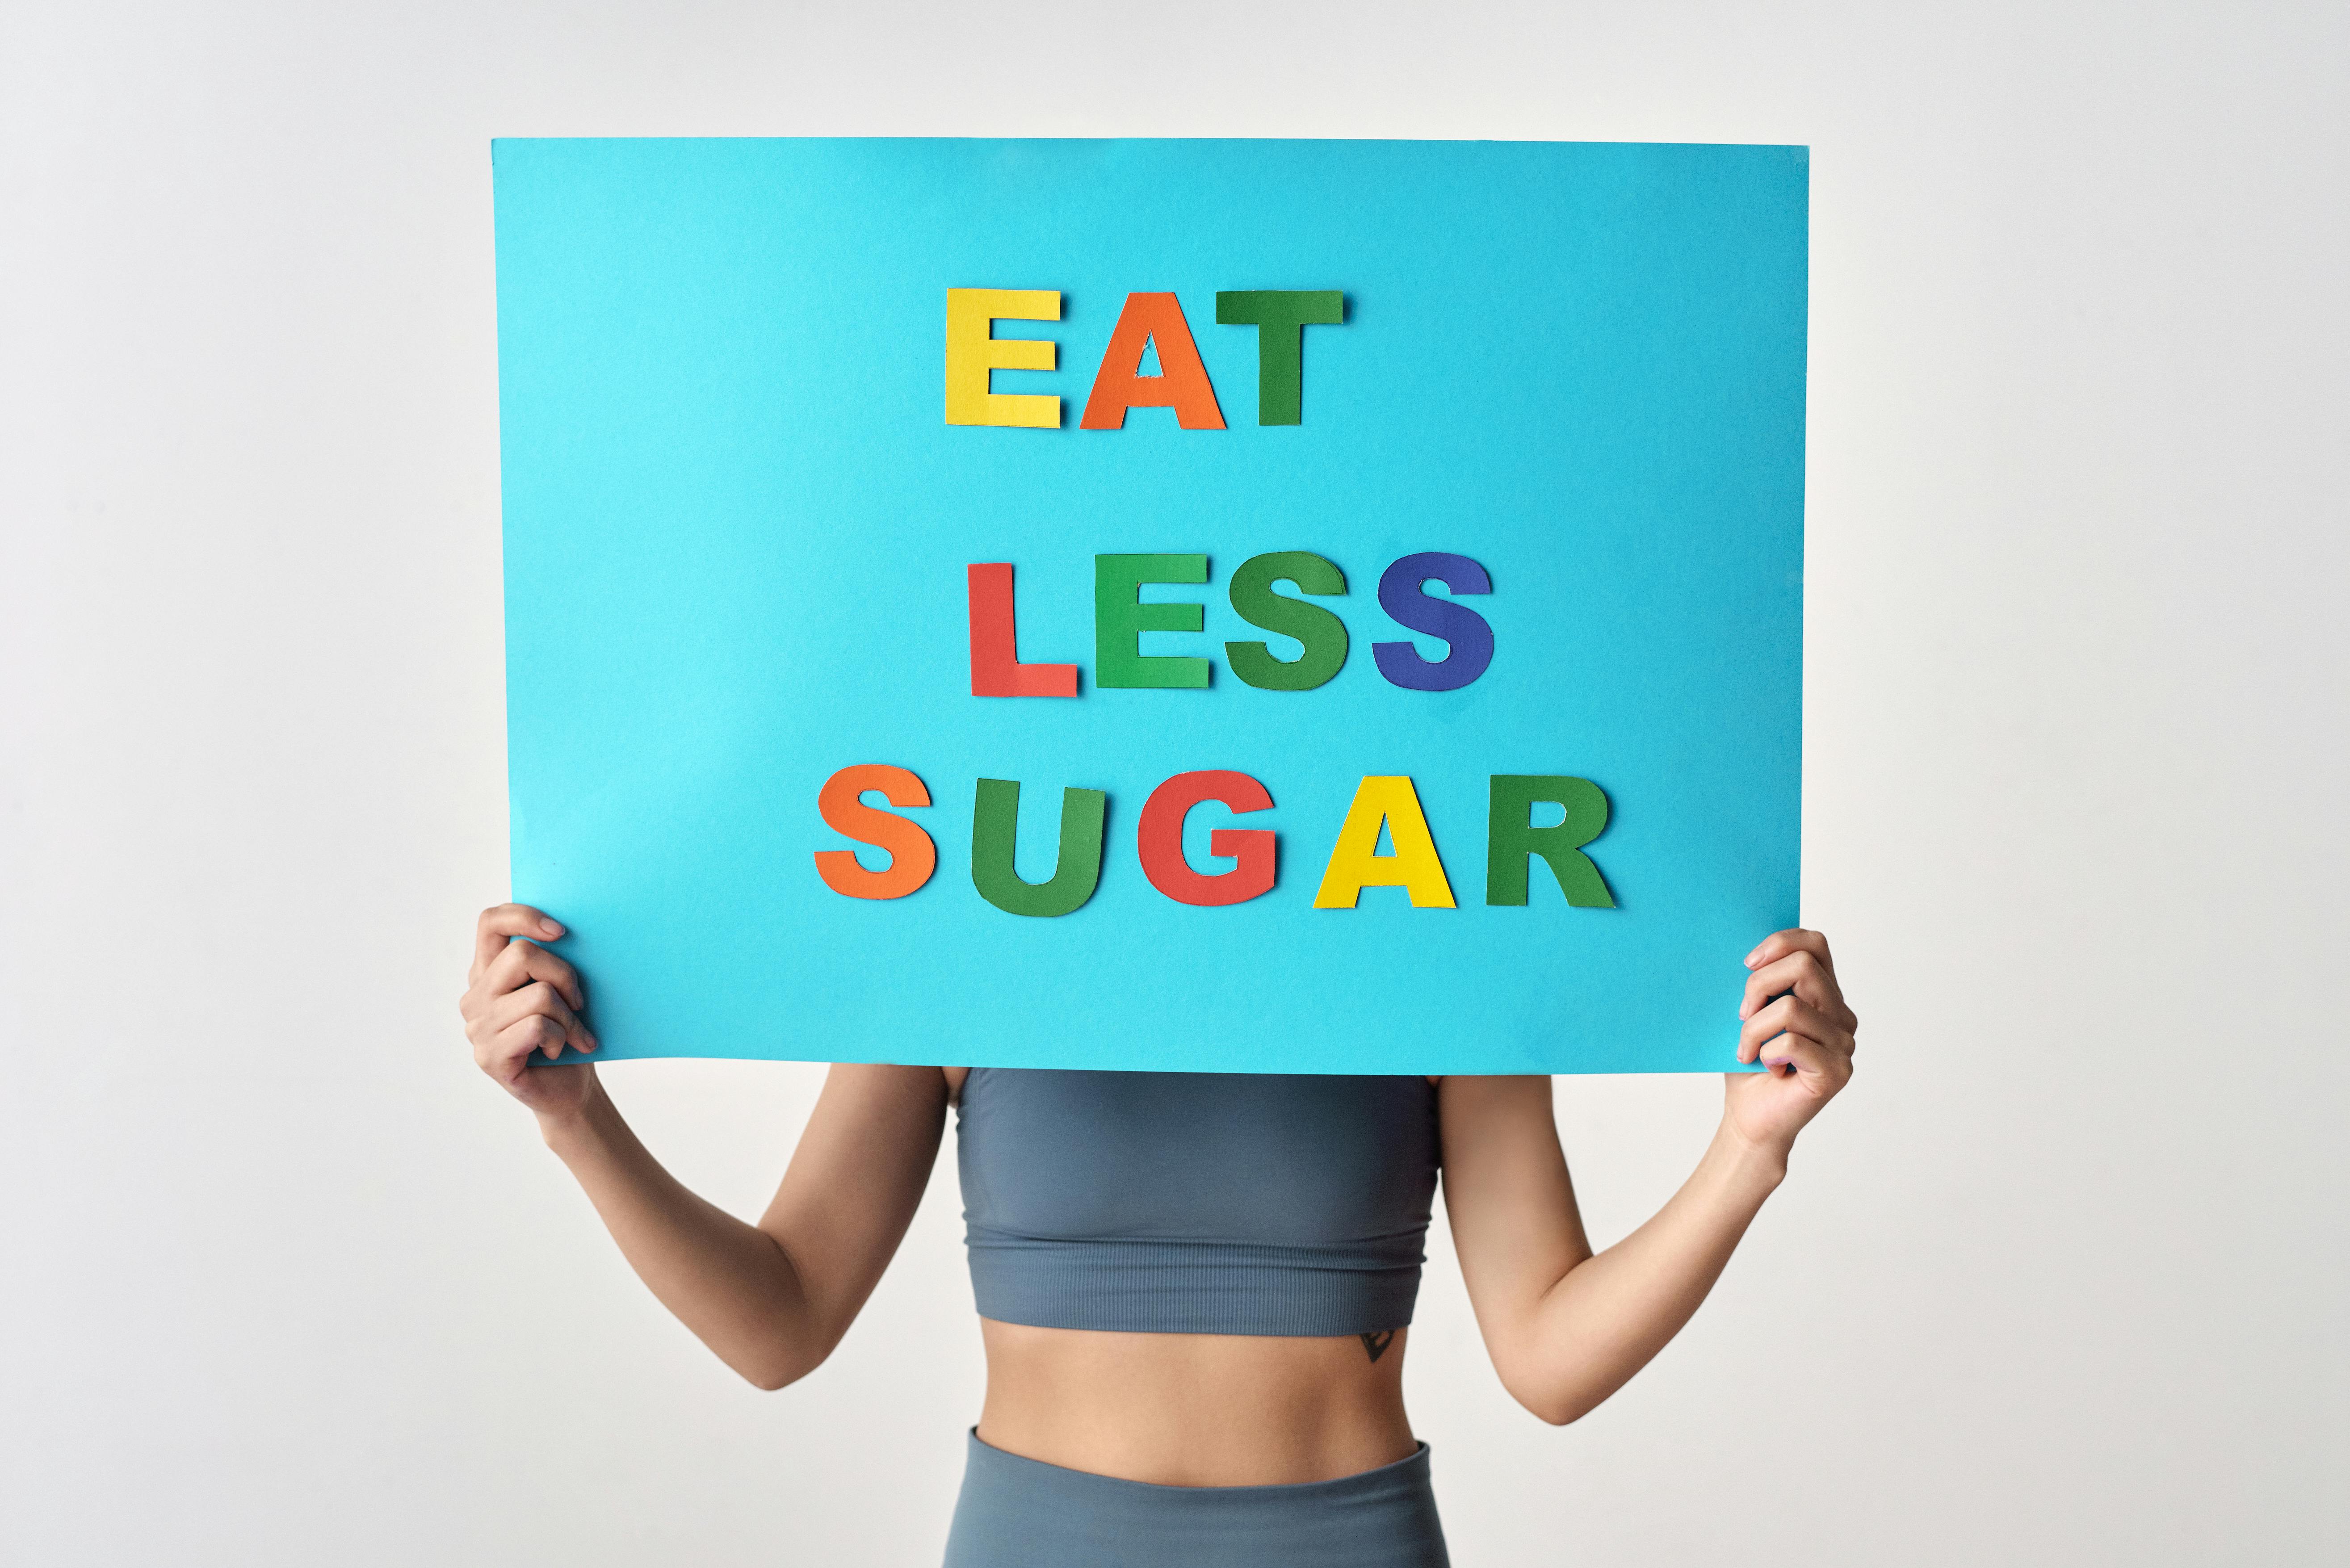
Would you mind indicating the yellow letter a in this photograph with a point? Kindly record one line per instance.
(1354, 863)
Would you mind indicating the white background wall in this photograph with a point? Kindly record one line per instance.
(2062, 1280)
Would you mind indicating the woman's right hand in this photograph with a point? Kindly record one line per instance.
(521, 999)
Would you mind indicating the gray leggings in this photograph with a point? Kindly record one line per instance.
(1022, 1513)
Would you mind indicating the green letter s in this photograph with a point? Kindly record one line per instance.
(1323, 634)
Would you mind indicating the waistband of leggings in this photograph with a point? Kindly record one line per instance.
(1406, 1478)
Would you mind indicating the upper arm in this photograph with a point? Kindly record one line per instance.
(1508, 1198)
(854, 1181)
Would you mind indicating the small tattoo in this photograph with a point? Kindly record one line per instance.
(1377, 1344)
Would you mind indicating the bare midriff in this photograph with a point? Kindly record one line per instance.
(1195, 1409)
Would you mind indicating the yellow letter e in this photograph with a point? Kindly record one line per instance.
(974, 350)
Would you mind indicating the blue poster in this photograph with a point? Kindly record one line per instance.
(1217, 605)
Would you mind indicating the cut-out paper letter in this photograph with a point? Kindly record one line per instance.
(974, 350)
(1357, 864)
(1120, 618)
(1281, 317)
(1152, 320)
(994, 837)
(913, 856)
(1464, 628)
(1161, 839)
(1323, 634)
(995, 667)
(1511, 842)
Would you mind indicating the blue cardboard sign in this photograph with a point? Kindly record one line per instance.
(810, 442)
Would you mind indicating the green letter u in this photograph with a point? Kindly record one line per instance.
(995, 832)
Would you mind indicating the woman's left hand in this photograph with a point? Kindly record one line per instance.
(1798, 1027)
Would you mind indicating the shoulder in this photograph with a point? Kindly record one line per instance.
(1484, 1099)
(1507, 1094)
(870, 1082)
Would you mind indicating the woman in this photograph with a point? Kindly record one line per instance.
(1195, 1290)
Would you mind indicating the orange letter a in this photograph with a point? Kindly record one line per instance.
(1182, 384)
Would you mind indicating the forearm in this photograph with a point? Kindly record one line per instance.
(1566, 1328)
(771, 1299)
(1607, 1316)
(730, 1283)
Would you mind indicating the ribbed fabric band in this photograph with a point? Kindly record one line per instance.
(1195, 1287)
(1017, 1512)
(1196, 1202)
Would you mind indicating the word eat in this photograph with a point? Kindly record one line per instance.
(1389, 803)
(1280, 316)
(1121, 618)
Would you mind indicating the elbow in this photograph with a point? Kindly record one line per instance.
(775, 1348)
(1557, 1411)
(769, 1379)
(1555, 1402)
(769, 1374)
(779, 1364)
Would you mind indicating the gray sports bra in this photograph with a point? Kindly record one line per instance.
(1196, 1202)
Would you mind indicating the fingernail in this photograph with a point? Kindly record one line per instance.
(1752, 956)
(552, 928)
(591, 1043)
